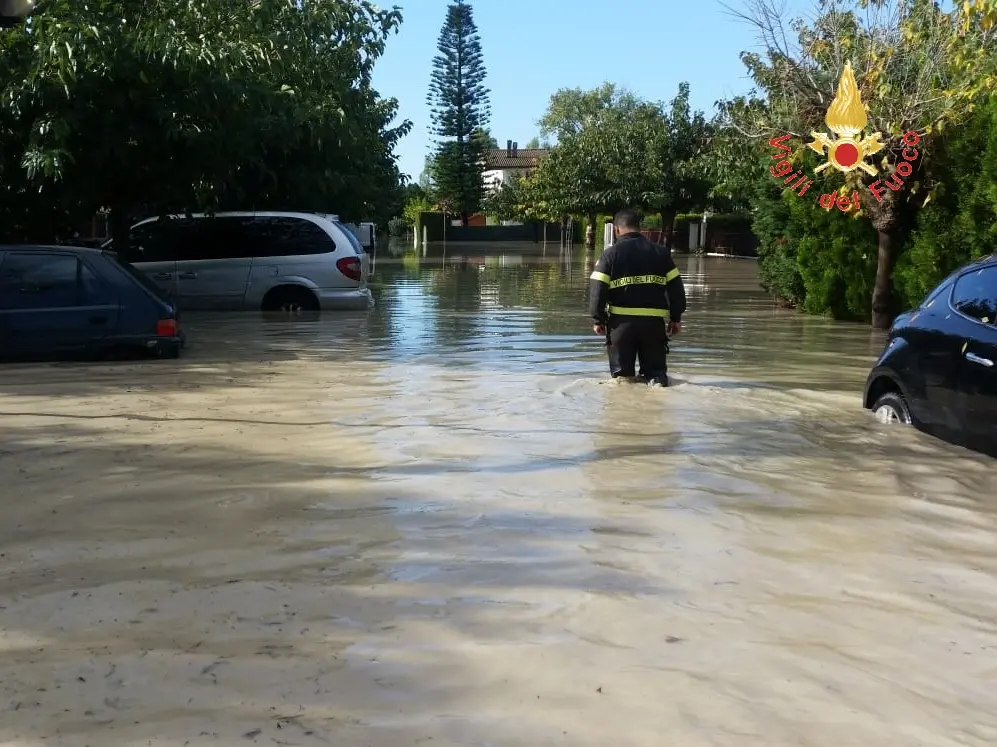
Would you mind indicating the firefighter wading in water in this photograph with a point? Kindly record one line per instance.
(636, 300)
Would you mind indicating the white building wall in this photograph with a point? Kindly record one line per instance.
(495, 178)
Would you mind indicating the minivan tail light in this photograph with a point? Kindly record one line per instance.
(166, 328)
(350, 267)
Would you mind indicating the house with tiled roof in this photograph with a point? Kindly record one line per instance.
(503, 164)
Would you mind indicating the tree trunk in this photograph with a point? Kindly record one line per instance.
(882, 291)
(464, 218)
(590, 232)
(668, 228)
(889, 216)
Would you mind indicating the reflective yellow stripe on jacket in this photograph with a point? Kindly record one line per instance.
(633, 311)
(600, 276)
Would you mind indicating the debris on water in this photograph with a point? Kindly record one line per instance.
(672, 639)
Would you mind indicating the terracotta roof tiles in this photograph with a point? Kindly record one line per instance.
(525, 158)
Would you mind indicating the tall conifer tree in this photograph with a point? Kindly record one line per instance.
(460, 110)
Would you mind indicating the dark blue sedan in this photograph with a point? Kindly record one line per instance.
(938, 371)
(68, 302)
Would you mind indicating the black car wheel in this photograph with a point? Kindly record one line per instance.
(892, 408)
(290, 300)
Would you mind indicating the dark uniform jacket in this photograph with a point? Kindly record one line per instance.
(634, 277)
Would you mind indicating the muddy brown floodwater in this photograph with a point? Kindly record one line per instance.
(438, 524)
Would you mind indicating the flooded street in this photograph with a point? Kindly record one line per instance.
(439, 524)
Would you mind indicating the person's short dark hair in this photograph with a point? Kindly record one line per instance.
(627, 220)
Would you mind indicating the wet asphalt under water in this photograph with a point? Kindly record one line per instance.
(438, 523)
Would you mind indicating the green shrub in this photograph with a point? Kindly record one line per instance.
(960, 222)
(836, 254)
(778, 270)
(822, 261)
(728, 222)
(397, 226)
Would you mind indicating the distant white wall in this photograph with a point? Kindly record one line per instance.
(494, 178)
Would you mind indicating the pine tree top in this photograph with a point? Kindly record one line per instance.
(458, 99)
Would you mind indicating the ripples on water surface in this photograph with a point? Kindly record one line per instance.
(437, 523)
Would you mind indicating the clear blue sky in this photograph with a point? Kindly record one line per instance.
(534, 47)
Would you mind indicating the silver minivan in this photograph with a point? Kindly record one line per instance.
(271, 261)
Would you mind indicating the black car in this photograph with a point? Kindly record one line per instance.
(67, 302)
(939, 369)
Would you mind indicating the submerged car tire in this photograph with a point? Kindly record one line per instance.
(290, 299)
(892, 408)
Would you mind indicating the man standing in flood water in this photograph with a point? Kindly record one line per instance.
(636, 300)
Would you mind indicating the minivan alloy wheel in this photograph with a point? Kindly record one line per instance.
(291, 301)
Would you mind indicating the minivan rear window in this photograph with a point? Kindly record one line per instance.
(287, 237)
(351, 237)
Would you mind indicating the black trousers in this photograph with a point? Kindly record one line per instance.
(633, 338)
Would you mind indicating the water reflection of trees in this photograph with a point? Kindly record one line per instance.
(468, 285)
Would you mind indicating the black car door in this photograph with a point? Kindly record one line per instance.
(930, 362)
(47, 304)
(975, 299)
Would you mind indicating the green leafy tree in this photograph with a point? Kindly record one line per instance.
(615, 150)
(513, 201)
(919, 69)
(602, 161)
(736, 160)
(681, 170)
(572, 109)
(960, 222)
(154, 107)
(460, 110)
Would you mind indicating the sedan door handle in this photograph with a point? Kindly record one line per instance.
(977, 359)
(188, 276)
(163, 276)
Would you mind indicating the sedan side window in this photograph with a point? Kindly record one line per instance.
(975, 295)
(40, 281)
